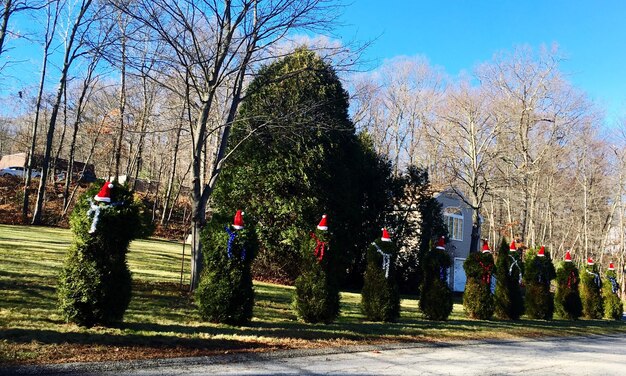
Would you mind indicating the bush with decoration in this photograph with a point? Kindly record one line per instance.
(613, 305)
(478, 301)
(380, 297)
(225, 293)
(435, 294)
(538, 274)
(567, 303)
(95, 283)
(316, 297)
(509, 300)
(590, 291)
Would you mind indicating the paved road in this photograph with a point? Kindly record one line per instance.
(572, 356)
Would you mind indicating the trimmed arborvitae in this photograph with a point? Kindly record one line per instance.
(590, 287)
(613, 306)
(508, 297)
(95, 283)
(380, 297)
(567, 301)
(435, 294)
(538, 272)
(478, 301)
(225, 293)
(317, 292)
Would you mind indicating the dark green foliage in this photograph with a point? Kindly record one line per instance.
(508, 297)
(225, 293)
(416, 193)
(567, 303)
(380, 297)
(538, 272)
(317, 292)
(478, 301)
(435, 294)
(95, 283)
(590, 287)
(297, 153)
(613, 305)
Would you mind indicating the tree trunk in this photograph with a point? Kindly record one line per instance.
(5, 22)
(170, 183)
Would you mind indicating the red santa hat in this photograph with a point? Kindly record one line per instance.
(541, 252)
(385, 237)
(238, 221)
(590, 261)
(513, 248)
(322, 225)
(486, 247)
(611, 266)
(441, 243)
(568, 257)
(105, 193)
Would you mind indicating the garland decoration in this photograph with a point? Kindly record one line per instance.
(486, 279)
(571, 279)
(614, 285)
(514, 263)
(320, 247)
(386, 259)
(596, 278)
(229, 247)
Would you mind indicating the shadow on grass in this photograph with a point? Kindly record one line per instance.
(52, 337)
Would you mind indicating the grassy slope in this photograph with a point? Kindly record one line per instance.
(162, 322)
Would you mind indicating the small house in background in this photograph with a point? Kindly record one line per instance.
(61, 165)
(457, 215)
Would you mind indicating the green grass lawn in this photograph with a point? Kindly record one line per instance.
(162, 321)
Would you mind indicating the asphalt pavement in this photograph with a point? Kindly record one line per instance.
(594, 355)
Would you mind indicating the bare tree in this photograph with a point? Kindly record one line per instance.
(216, 44)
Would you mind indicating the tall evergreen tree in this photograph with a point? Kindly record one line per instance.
(317, 297)
(590, 291)
(296, 152)
(567, 301)
(380, 297)
(435, 294)
(478, 301)
(415, 199)
(613, 305)
(508, 296)
(225, 293)
(538, 273)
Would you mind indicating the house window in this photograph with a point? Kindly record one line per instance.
(453, 218)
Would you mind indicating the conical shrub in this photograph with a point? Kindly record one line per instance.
(435, 294)
(613, 305)
(95, 283)
(590, 291)
(380, 297)
(225, 293)
(538, 274)
(478, 301)
(509, 301)
(316, 297)
(567, 301)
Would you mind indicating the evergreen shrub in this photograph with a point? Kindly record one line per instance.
(590, 292)
(478, 301)
(538, 273)
(435, 294)
(380, 297)
(567, 301)
(316, 297)
(225, 293)
(613, 305)
(95, 283)
(508, 297)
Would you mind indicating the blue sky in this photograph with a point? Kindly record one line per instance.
(457, 35)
